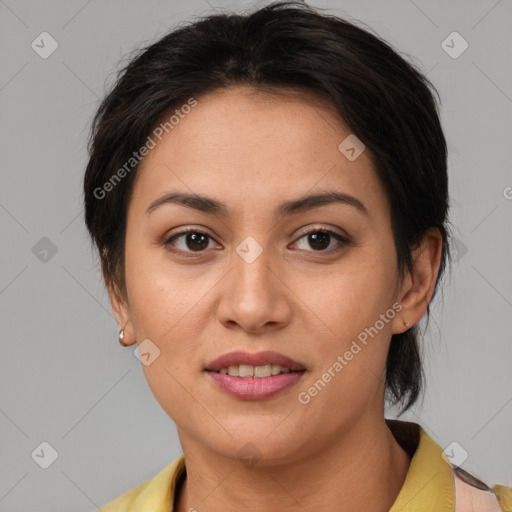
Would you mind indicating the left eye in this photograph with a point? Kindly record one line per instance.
(321, 238)
(197, 241)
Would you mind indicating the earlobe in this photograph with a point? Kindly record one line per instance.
(121, 313)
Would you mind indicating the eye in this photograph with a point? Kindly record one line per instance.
(195, 241)
(192, 241)
(320, 240)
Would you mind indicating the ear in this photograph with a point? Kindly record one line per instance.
(121, 312)
(419, 284)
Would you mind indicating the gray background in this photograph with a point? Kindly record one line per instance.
(63, 377)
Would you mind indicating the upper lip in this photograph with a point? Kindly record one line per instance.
(254, 359)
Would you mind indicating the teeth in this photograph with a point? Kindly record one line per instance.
(233, 371)
(276, 369)
(245, 370)
(249, 371)
(263, 371)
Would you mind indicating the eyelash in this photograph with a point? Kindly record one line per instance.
(341, 239)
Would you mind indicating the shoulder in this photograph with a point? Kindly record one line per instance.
(472, 495)
(155, 494)
(451, 488)
(125, 502)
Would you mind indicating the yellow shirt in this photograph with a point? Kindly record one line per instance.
(431, 483)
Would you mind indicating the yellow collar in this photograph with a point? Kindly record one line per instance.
(428, 484)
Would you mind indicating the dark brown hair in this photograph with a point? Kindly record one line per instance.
(385, 100)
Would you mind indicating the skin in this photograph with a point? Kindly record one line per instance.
(252, 150)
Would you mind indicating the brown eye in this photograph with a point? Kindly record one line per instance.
(193, 241)
(320, 240)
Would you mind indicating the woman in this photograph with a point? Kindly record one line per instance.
(268, 195)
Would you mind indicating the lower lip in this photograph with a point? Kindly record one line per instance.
(256, 388)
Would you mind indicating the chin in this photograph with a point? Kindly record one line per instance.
(263, 446)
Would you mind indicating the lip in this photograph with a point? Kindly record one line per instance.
(256, 388)
(254, 359)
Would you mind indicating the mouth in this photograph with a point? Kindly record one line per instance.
(254, 376)
(247, 371)
(247, 365)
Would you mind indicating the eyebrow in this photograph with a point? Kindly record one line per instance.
(212, 206)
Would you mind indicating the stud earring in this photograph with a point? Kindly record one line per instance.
(121, 338)
(406, 324)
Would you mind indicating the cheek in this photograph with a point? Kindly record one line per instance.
(161, 295)
(169, 306)
(167, 309)
(351, 298)
(348, 313)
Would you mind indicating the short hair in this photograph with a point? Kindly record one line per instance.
(384, 100)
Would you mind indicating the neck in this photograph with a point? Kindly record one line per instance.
(336, 478)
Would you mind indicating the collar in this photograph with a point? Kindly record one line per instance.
(428, 484)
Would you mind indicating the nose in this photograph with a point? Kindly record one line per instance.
(254, 297)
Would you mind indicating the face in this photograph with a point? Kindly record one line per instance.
(309, 283)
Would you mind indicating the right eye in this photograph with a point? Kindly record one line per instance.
(191, 239)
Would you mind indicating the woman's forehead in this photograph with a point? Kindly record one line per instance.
(275, 148)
